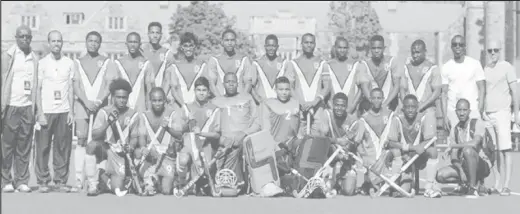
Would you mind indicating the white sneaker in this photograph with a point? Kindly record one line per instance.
(8, 188)
(23, 188)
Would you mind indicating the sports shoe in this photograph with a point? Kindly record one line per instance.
(77, 188)
(92, 191)
(432, 193)
(63, 188)
(472, 193)
(8, 188)
(505, 192)
(44, 189)
(23, 188)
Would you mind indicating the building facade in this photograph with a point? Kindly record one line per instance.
(113, 20)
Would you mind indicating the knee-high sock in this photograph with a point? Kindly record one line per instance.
(91, 170)
(431, 171)
(397, 163)
(79, 163)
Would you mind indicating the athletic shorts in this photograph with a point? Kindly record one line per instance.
(167, 167)
(500, 121)
(115, 164)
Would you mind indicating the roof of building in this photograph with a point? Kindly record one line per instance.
(413, 17)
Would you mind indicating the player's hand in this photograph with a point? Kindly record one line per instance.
(70, 118)
(42, 120)
(239, 138)
(196, 130)
(128, 149)
(418, 149)
(91, 106)
(447, 124)
(485, 117)
(144, 152)
(165, 122)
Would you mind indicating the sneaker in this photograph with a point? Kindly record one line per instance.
(460, 190)
(76, 189)
(44, 189)
(432, 193)
(505, 192)
(23, 188)
(473, 193)
(92, 191)
(63, 188)
(8, 188)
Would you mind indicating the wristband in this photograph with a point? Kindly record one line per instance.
(321, 97)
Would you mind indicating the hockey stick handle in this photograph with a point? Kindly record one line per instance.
(90, 124)
(130, 161)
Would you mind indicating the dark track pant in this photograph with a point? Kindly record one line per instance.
(58, 128)
(17, 132)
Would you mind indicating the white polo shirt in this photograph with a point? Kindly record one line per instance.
(461, 79)
(23, 74)
(55, 76)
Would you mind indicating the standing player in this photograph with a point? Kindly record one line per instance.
(422, 78)
(347, 75)
(383, 73)
(107, 144)
(236, 116)
(19, 85)
(471, 152)
(268, 68)
(94, 74)
(188, 68)
(159, 57)
(307, 75)
(338, 125)
(410, 132)
(161, 126)
(372, 132)
(230, 62)
(501, 95)
(56, 107)
(138, 71)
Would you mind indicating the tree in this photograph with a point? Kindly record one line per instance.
(356, 21)
(207, 21)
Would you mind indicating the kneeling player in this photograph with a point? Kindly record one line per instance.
(158, 151)
(472, 153)
(338, 125)
(409, 134)
(281, 116)
(112, 149)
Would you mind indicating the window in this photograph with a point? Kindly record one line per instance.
(116, 23)
(74, 18)
(268, 22)
(30, 21)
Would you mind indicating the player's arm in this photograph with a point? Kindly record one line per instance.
(178, 125)
(39, 100)
(429, 131)
(136, 134)
(348, 141)
(444, 95)
(365, 89)
(254, 82)
(363, 84)
(480, 79)
(72, 74)
(249, 76)
(111, 74)
(77, 87)
(394, 136)
(100, 126)
(291, 76)
(436, 84)
(214, 127)
(149, 83)
(396, 72)
(174, 87)
(478, 136)
(212, 74)
(512, 81)
(320, 125)
(254, 127)
(326, 84)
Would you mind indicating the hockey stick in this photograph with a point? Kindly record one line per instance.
(135, 177)
(293, 171)
(404, 168)
(387, 180)
(180, 193)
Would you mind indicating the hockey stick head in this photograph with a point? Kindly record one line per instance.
(178, 193)
(120, 193)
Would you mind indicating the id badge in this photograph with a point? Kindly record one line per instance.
(27, 87)
(57, 97)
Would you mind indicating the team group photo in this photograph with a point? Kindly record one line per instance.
(191, 108)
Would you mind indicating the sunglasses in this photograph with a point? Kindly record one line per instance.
(24, 37)
(494, 50)
(458, 45)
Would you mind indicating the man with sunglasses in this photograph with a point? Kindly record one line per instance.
(501, 91)
(462, 77)
(19, 83)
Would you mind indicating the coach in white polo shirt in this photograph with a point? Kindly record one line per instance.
(462, 77)
(19, 77)
(55, 97)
